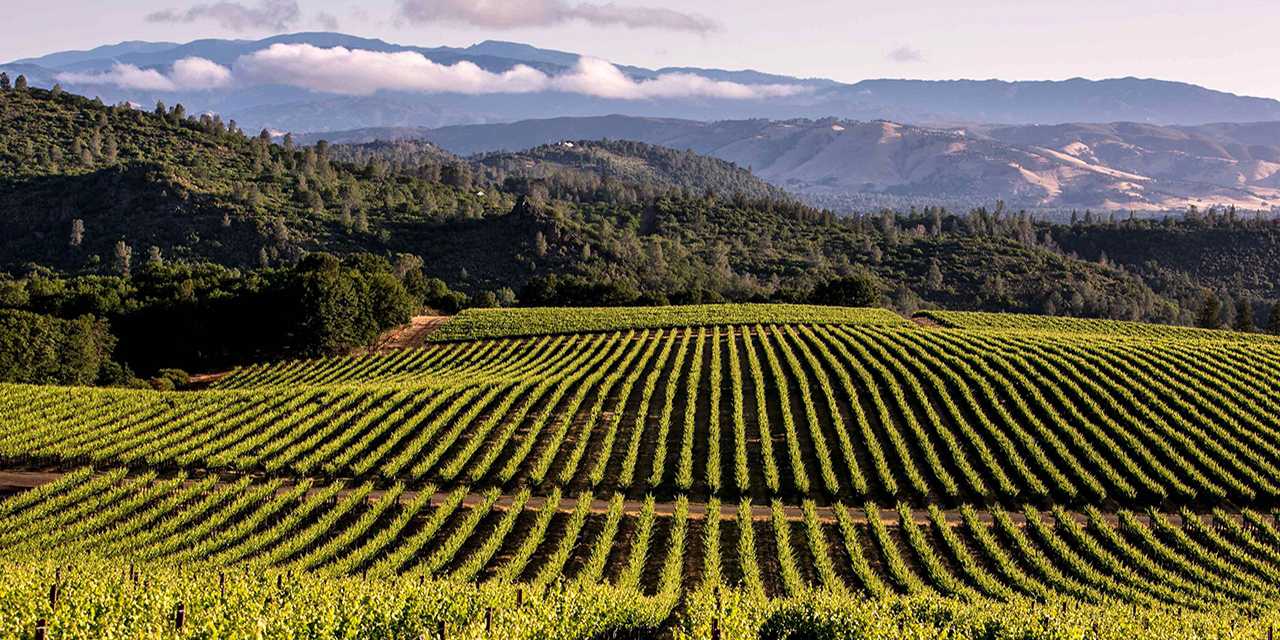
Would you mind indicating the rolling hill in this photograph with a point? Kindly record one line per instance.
(861, 165)
(195, 191)
(658, 168)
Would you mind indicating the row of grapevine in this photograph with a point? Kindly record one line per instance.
(1148, 558)
(980, 320)
(474, 324)
(844, 412)
(99, 598)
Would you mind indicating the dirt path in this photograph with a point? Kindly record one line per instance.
(409, 335)
(922, 321)
(413, 334)
(14, 481)
(202, 380)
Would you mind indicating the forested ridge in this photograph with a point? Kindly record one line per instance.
(123, 213)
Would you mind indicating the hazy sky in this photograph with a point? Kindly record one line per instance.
(1231, 45)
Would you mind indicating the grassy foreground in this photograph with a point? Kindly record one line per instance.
(98, 598)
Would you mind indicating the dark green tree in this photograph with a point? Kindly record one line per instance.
(933, 281)
(1210, 316)
(41, 349)
(862, 289)
(1273, 323)
(1244, 316)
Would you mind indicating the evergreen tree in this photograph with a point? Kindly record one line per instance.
(4, 81)
(123, 258)
(77, 232)
(889, 227)
(1273, 323)
(110, 149)
(1244, 316)
(21, 83)
(934, 280)
(1210, 313)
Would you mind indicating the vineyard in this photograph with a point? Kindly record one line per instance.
(763, 471)
(474, 324)
(1061, 324)
(847, 412)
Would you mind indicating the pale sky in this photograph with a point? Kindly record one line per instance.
(1230, 45)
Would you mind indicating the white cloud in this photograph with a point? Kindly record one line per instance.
(345, 71)
(906, 54)
(510, 14)
(186, 74)
(595, 77)
(360, 72)
(275, 15)
(125, 76)
(199, 73)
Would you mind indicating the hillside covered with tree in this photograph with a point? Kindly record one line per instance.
(98, 201)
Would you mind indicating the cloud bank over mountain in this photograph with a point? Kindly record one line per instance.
(191, 74)
(358, 72)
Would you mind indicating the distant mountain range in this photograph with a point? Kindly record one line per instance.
(287, 107)
(853, 164)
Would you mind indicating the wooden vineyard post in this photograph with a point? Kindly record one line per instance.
(520, 597)
(53, 596)
(222, 584)
(42, 629)
(180, 618)
(442, 630)
(488, 620)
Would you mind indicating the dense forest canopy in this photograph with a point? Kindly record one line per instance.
(106, 205)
